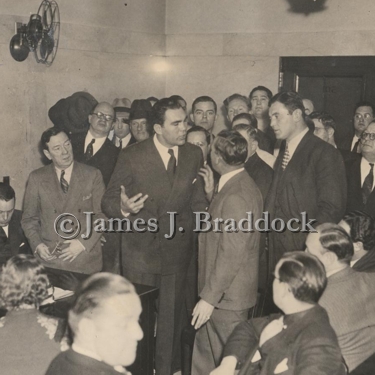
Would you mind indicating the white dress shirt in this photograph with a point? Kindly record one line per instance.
(67, 175)
(294, 142)
(6, 230)
(97, 144)
(227, 176)
(354, 141)
(163, 152)
(125, 140)
(365, 170)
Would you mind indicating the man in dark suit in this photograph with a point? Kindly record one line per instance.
(105, 323)
(56, 200)
(228, 261)
(309, 178)
(122, 136)
(152, 180)
(349, 297)
(300, 342)
(94, 148)
(360, 175)
(12, 238)
(363, 115)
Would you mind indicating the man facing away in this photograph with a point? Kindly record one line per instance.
(63, 190)
(152, 179)
(228, 260)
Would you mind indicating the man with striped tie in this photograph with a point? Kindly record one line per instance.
(60, 193)
(309, 177)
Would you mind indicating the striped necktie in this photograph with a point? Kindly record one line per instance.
(89, 150)
(63, 183)
(286, 158)
(367, 184)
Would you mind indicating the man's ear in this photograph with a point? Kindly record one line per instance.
(47, 154)
(330, 132)
(157, 128)
(253, 145)
(329, 258)
(297, 115)
(191, 117)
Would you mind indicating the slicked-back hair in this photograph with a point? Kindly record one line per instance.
(364, 104)
(362, 228)
(231, 146)
(203, 99)
(261, 88)
(305, 275)
(324, 118)
(291, 100)
(200, 129)
(247, 116)
(334, 238)
(92, 294)
(162, 106)
(6, 192)
(236, 96)
(251, 132)
(47, 134)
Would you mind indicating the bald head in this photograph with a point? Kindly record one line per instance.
(368, 144)
(101, 120)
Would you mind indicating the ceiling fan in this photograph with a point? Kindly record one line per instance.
(40, 35)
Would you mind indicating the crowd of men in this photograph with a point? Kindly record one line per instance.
(156, 167)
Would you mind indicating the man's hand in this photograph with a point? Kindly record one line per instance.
(201, 313)
(227, 366)
(43, 251)
(208, 177)
(72, 251)
(132, 205)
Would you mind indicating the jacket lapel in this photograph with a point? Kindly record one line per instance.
(51, 186)
(75, 187)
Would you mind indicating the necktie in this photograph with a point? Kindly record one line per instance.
(286, 158)
(367, 184)
(3, 236)
(171, 167)
(120, 144)
(216, 191)
(63, 183)
(89, 150)
(355, 148)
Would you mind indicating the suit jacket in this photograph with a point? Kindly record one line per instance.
(353, 175)
(228, 262)
(260, 172)
(140, 169)
(45, 201)
(307, 346)
(349, 299)
(73, 363)
(105, 159)
(17, 242)
(313, 182)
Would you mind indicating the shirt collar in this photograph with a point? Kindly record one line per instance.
(227, 176)
(295, 141)
(98, 141)
(68, 172)
(163, 151)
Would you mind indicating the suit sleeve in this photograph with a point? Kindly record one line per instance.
(30, 218)
(232, 247)
(97, 194)
(111, 202)
(331, 186)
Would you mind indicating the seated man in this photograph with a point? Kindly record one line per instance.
(349, 297)
(104, 320)
(300, 341)
(361, 228)
(12, 238)
(57, 199)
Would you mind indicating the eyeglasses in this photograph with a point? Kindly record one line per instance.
(370, 136)
(366, 116)
(103, 116)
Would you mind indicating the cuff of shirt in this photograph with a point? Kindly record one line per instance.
(125, 214)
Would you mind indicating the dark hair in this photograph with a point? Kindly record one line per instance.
(6, 192)
(202, 99)
(291, 100)
(365, 104)
(252, 132)
(247, 116)
(231, 146)
(200, 129)
(261, 88)
(305, 275)
(47, 134)
(334, 238)
(236, 96)
(362, 228)
(178, 97)
(152, 99)
(162, 106)
(324, 118)
(23, 282)
(93, 293)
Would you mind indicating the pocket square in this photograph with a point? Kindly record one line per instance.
(87, 197)
(194, 181)
(282, 366)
